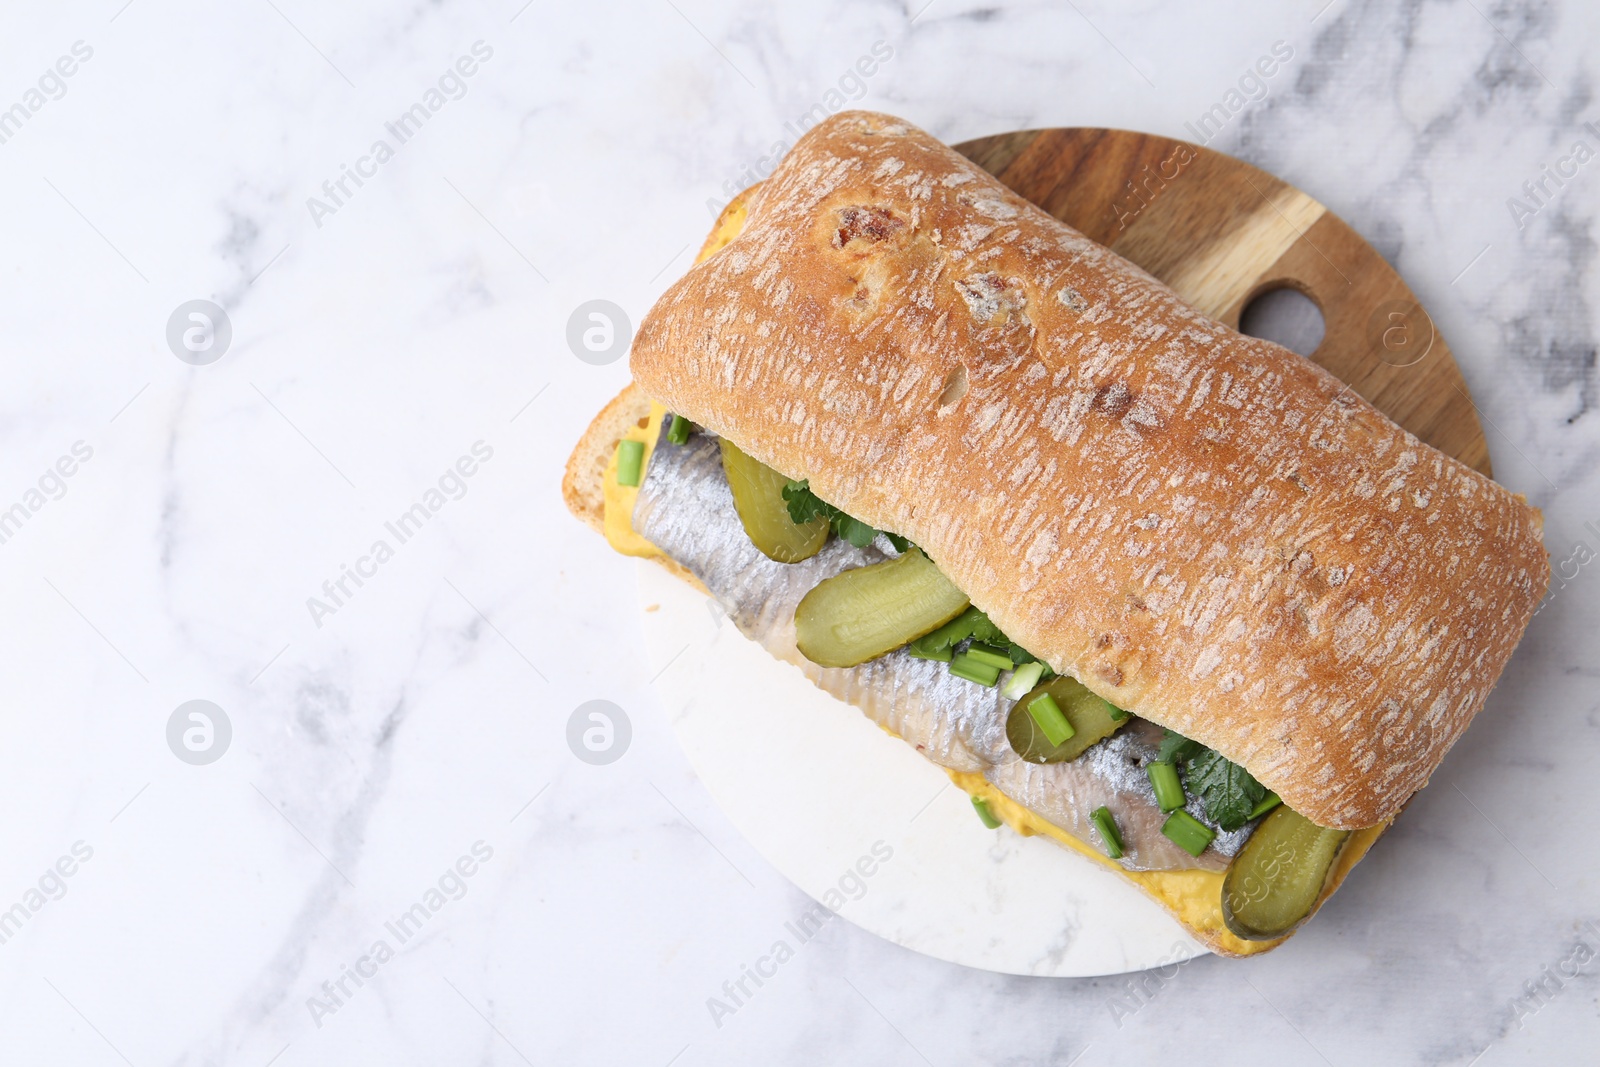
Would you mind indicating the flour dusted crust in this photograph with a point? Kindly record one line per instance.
(1203, 527)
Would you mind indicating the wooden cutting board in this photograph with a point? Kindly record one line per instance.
(1221, 232)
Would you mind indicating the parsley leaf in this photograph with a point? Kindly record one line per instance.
(941, 643)
(1175, 748)
(1229, 791)
(805, 506)
(853, 530)
(984, 631)
(1020, 655)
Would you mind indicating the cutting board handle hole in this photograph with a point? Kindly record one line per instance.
(1285, 315)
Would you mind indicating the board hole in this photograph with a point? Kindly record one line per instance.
(1285, 316)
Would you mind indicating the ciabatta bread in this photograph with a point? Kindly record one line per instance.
(1202, 527)
(583, 483)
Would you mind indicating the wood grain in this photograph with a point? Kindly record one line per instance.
(1221, 232)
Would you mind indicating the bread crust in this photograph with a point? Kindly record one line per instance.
(1202, 527)
(583, 483)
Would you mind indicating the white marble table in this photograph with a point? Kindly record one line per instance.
(398, 769)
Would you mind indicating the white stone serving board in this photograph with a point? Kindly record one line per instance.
(813, 785)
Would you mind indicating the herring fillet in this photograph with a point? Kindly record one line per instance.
(686, 509)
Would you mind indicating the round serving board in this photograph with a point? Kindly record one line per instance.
(855, 817)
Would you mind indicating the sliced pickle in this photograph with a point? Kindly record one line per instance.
(863, 613)
(758, 495)
(1092, 719)
(1277, 878)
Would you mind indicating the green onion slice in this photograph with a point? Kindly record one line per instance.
(1108, 831)
(678, 431)
(964, 666)
(981, 806)
(630, 462)
(1023, 679)
(1169, 790)
(1268, 802)
(1050, 719)
(1187, 832)
(984, 654)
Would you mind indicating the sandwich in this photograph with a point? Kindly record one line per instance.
(1173, 596)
